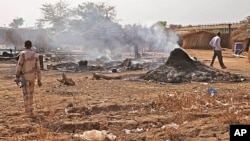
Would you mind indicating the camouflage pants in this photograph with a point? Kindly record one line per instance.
(28, 91)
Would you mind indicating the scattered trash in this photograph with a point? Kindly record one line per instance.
(133, 111)
(212, 91)
(174, 125)
(171, 95)
(138, 130)
(193, 107)
(185, 122)
(223, 104)
(127, 131)
(242, 79)
(96, 135)
(153, 125)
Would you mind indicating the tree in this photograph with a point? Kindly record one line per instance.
(57, 15)
(163, 23)
(39, 24)
(16, 22)
(247, 19)
(88, 14)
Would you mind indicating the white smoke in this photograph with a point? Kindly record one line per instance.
(101, 43)
(163, 39)
(110, 39)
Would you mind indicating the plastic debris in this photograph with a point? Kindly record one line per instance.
(127, 131)
(96, 135)
(212, 91)
(138, 130)
(173, 125)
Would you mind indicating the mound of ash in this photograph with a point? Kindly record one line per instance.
(180, 67)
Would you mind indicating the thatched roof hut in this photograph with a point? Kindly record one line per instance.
(197, 39)
(242, 34)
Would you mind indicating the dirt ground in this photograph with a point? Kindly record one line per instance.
(130, 109)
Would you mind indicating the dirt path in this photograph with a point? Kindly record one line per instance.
(131, 110)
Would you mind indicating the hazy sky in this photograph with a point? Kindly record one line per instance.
(144, 12)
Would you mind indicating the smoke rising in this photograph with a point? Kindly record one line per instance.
(101, 37)
(112, 41)
(108, 39)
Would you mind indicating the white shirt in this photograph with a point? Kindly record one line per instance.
(215, 43)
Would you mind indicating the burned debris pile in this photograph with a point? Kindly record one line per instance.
(180, 67)
(112, 65)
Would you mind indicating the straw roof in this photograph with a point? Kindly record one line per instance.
(242, 33)
(197, 39)
(200, 32)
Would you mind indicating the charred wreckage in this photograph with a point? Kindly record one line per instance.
(177, 68)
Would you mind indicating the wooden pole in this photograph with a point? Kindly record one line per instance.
(229, 36)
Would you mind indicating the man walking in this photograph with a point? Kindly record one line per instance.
(27, 70)
(215, 43)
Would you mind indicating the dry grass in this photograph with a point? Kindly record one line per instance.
(186, 105)
(227, 108)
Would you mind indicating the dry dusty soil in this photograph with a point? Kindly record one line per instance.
(130, 109)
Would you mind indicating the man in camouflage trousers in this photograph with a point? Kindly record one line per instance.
(27, 71)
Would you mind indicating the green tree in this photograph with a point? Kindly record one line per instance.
(16, 22)
(88, 14)
(163, 23)
(56, 15)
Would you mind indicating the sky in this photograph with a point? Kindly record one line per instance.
(143, 12)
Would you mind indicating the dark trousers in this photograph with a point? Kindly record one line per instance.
(219, 54)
